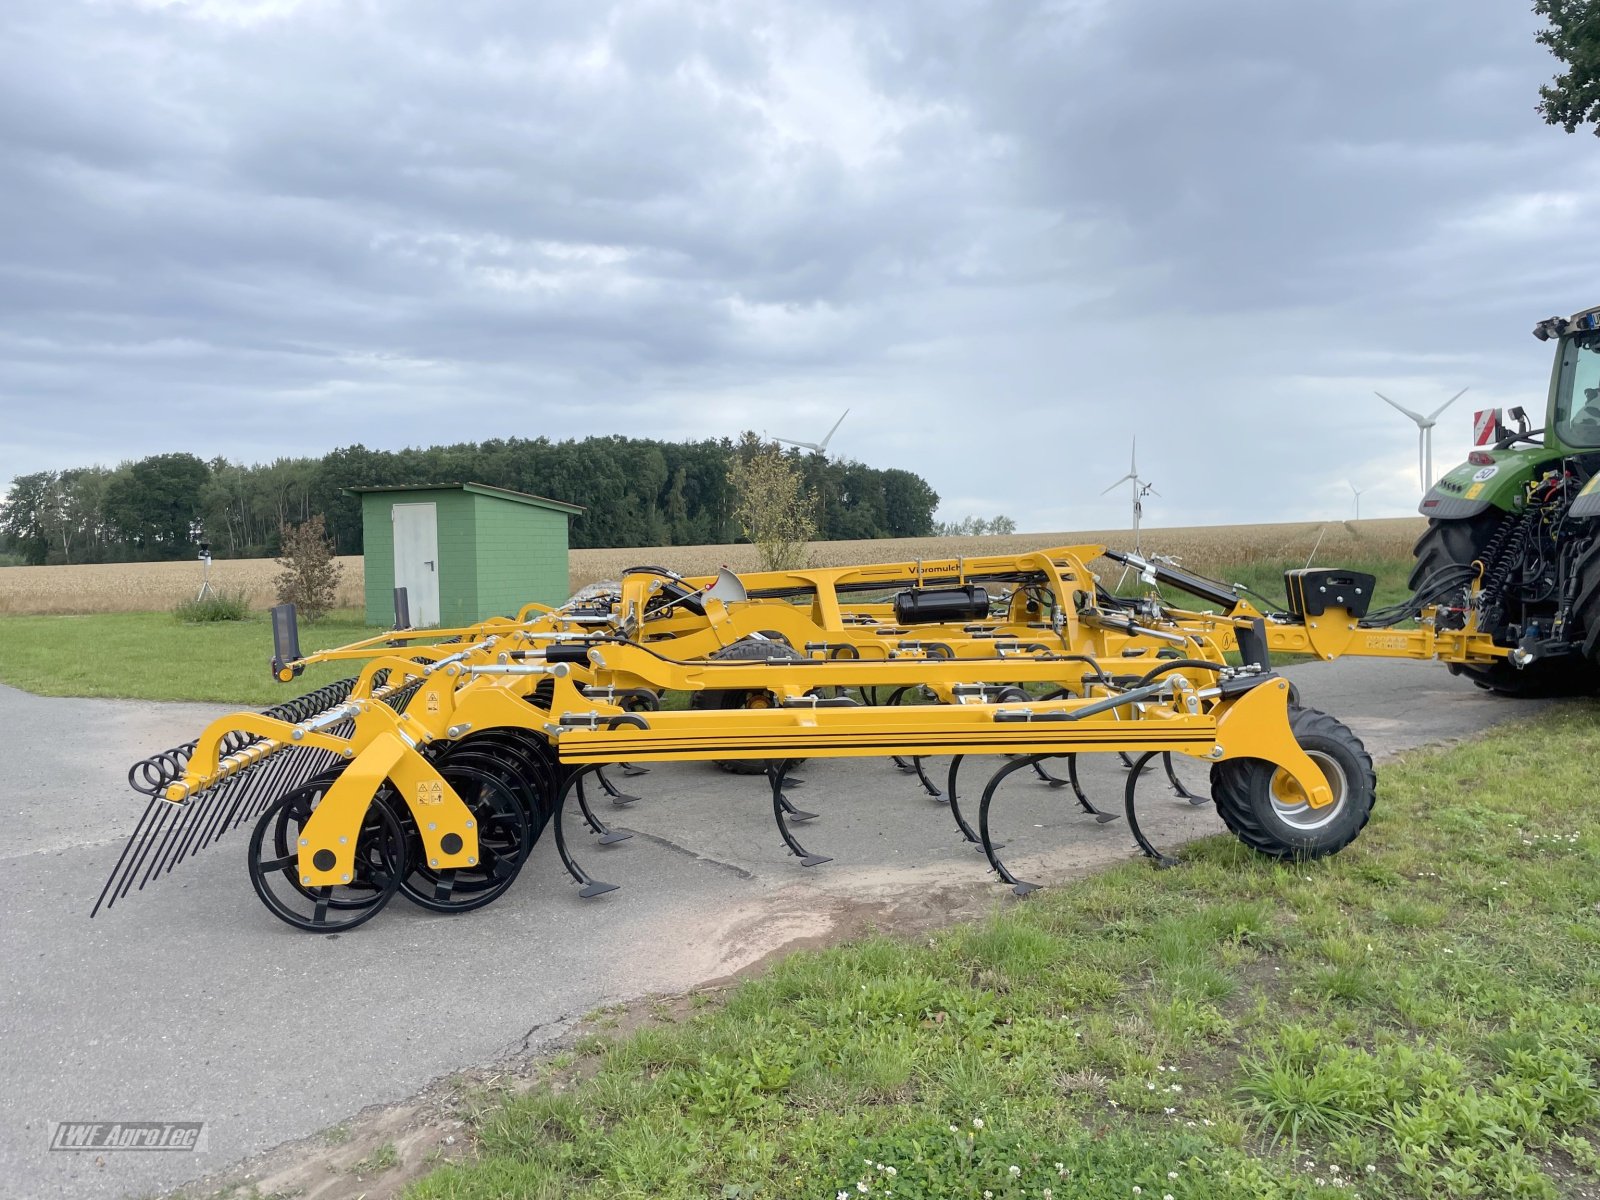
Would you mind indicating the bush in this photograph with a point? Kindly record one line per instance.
(771, 504)
(215, 606)
(310, 577)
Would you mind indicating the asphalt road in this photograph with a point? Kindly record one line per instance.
(189, 1001)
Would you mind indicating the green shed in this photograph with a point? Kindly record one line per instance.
(462, 551)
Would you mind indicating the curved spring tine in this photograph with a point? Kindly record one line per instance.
(927, 784)
(955, 805)
(1054, 781)
(608, 836)
(1177, 784)
(1019, 887)
(902, 763)
(1126, 761)
(618, 799)
(1160, 859)
(632, 771)
(589, 886)
(1083, 799)
(775, 773)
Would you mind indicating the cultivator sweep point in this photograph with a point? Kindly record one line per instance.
(433, 771)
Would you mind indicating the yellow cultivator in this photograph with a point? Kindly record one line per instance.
(434, 769)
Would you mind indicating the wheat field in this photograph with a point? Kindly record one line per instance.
(137, 587)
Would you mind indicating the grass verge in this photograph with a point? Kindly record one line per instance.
(1419, 1016)
(154, 656)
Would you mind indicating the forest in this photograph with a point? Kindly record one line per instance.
(636, 492)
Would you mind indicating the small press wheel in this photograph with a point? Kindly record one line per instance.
(505, 835)
(1268, 812)
(273, 860)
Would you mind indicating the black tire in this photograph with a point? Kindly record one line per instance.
(747, 650)
(1585, 617)
(1448, 543)
(1272, 822)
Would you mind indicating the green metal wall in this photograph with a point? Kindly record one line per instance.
(521, 555)
(495, 555)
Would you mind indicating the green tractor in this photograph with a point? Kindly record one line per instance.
(1528, 511)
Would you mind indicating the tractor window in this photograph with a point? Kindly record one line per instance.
(1577, 415)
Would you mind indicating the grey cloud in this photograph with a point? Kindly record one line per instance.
(1006, 236)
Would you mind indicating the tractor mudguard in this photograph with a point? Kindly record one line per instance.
(1588, 502)
(1471, 488)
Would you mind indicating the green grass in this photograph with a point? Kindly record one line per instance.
(1416, 1017)
(154, 656)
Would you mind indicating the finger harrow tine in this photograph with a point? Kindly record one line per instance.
(219, 821)
(174, 829)
(1177, 784)
(607, 835)
(618, 799)
(127, 849)
(151, 835)
(588, 886)
(780, 803)
(1019, 887)
(195, 813)
(1149, 850)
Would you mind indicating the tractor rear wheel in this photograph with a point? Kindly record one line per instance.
(1451, 543)
(1585, 617)
(1267, 812)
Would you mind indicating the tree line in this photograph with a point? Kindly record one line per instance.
(637, 492)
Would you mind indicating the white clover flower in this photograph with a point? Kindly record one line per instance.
(977, 1122)
(862, 1187)
(1321, 1182)
(1172, 1174)
(1013, 1171)
(1048, 1194)
(953, 1129)
(1061, 1167)
(1137, 1190)
(842, 1196)
(890, 1172)
(1371, 1168)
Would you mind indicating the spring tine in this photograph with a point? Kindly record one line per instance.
(163, 812)
(183, 813)
(133, 837)
(194, 812)
(226, 801)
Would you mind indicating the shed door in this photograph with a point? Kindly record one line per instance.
(416, 560)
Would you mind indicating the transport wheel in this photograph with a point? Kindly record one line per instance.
(748, 650)
(272, 857)
(1267, 812)
(505, 835)
(1450, 543)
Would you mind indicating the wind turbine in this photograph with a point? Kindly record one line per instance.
(1358, 492)
(817, 447)
(1141, 489)
(1424, 433)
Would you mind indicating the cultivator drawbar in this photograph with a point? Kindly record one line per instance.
(434, 770)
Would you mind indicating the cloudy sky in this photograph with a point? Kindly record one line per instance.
(1008, 235)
